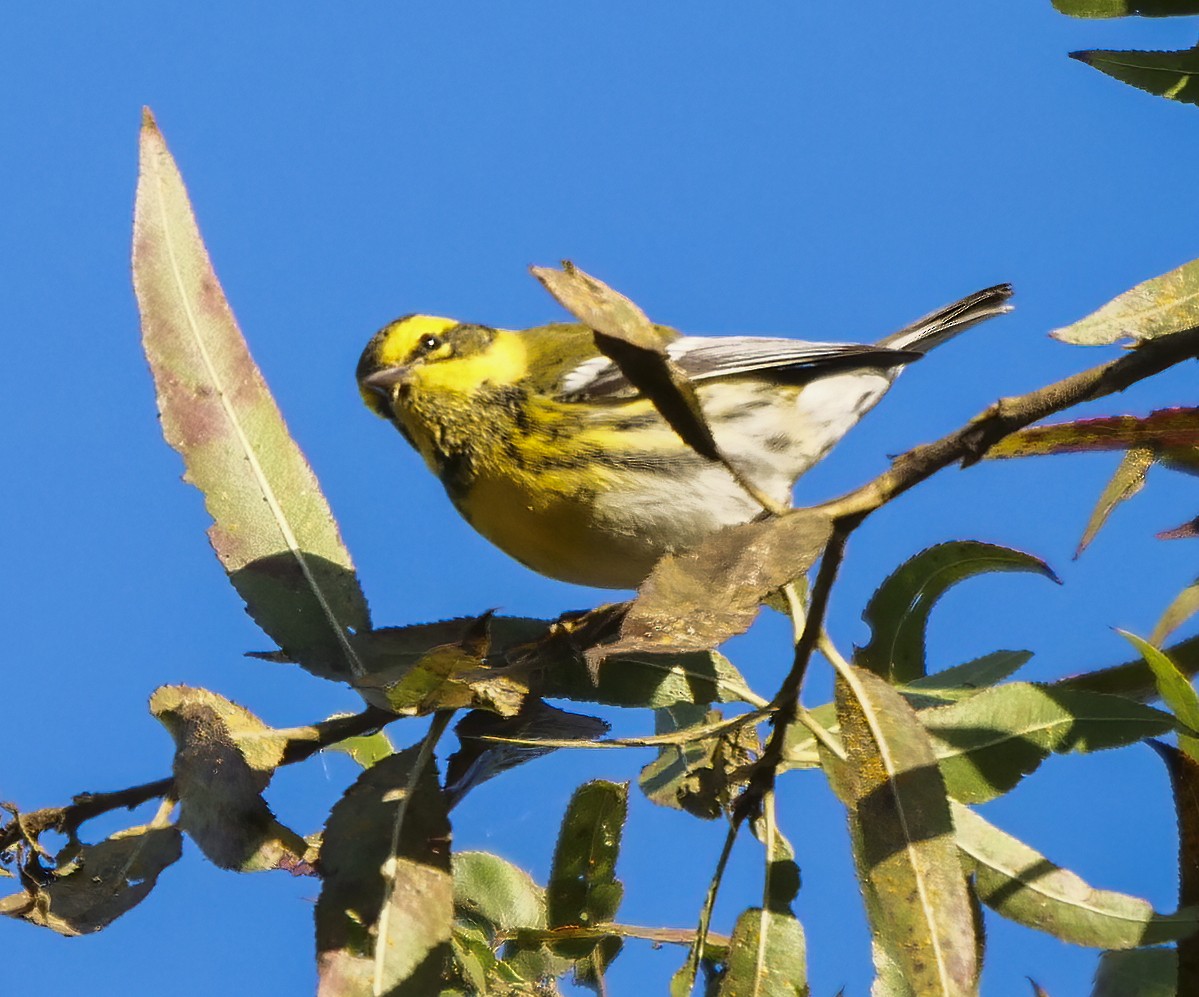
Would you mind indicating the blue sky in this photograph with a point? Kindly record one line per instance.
(793, 169)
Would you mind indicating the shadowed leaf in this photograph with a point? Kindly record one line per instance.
(702, 775)
(626, 336)
(967, 679)
(384, 913)
(696, 600)
(987, 743)
(446, 677)
(902, 835)
(1126, 8)
(224, 758)
(1184, 783)
(583, 889)
(1139, 973)
(1025, 887)
(272, 528)
(1133, 679)
(92, 885)
(480, 759)
(898, 611)
(1162, 305)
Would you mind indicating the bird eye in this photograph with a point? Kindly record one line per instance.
(430, 343)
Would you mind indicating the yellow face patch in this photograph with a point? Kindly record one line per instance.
(402, 337)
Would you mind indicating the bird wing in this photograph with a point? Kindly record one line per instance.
(704, 357)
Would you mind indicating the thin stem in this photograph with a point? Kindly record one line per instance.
(302, 743)
(696, 955)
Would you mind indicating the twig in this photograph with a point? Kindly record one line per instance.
(302, 743)
(970, 443)
(662, 936)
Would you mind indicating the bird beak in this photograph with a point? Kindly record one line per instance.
(383, 382)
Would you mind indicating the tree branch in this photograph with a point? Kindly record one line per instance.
(970, 443)
(302, 743)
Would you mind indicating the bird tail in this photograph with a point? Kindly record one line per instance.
(945, 323)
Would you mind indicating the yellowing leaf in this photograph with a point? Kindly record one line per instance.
(272, 528)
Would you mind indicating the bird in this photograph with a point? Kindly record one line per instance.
(548, 451)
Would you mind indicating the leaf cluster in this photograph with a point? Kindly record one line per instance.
(909, 749)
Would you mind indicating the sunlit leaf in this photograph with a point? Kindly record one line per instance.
(898, 611)
(224, 758)
(1161, 305)
(1175, 690)
(1137, 973)
(272, 528)
(1182, 608)
(767, 958)
(365, 749)
(902, 834)
(1024, 886)
(502, 894)
(385, 910)
(987, 743)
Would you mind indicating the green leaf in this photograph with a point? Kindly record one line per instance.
(767, 957)
(986, 744)
(1133, 679)
(502, 894)
(1184, 784)
(1156, 307)
(224, 758)
(902, 834)
(1184, 606)
(93, 885)
(1175, 690)
(365, 749)
(1126, 8)
(272, 529)
(1138, 973)
(701, 775)
(898, 611)
(970, 678)
(1127, 481)
(1166, 74)
(385, 910)
(583, 888)
(1024, 886)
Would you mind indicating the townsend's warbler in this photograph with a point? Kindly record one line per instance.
(548, 451)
